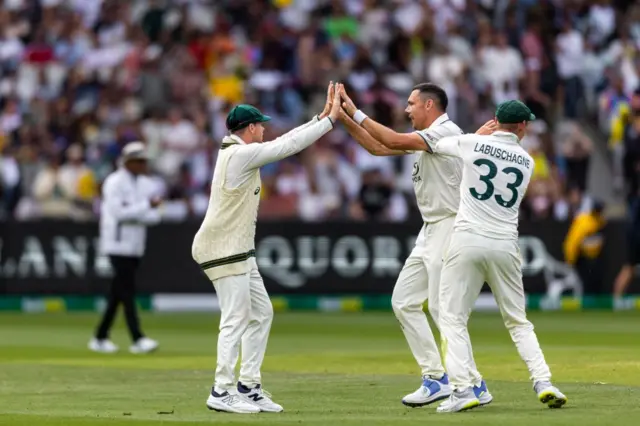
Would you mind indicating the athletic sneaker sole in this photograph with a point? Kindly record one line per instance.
(552, 400)
(424, 404)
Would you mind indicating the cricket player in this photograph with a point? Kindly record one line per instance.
(436, 180)
(484, 248)
(224, 247)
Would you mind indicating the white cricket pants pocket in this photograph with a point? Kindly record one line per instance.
(246, 316)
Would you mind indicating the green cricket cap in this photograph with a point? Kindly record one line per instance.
(514, 111)
(243, 115)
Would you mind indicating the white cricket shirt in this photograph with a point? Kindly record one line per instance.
(125, 213)
(495, 175)
(436, 178)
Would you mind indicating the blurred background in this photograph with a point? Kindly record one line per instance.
(81, 78)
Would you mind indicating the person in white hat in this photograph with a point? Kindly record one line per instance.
(128, 207)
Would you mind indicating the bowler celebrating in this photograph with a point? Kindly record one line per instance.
(484, 248)
(436, 181)
(224, 247)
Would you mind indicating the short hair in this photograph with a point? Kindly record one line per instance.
(509, 127)
(434, 92)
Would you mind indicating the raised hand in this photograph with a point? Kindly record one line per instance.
(488, 128)
(334, 113)
(328, 103)
(347, 103)
(343, 115)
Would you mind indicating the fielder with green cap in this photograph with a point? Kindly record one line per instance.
(496, 171)
(224, 247)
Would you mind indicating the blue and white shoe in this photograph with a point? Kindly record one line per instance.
(430, 391)
(482, 393)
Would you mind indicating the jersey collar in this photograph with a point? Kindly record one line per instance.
(508, 136)
(237, 139)
(230, 140)
(442, 119)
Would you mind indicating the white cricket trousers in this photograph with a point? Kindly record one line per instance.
(471, 261)
(419, 281)
(246, 316)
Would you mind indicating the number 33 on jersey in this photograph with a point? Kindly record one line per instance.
(495, 176)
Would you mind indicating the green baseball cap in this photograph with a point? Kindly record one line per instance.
(514, 111)
(243, 115)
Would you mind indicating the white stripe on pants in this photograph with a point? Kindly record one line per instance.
(472, 260)
(246, 315)
(419, 281)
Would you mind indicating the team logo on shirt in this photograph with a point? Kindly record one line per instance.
(416, 169)
(257, 191)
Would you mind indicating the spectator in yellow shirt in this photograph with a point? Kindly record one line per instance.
(583, 247)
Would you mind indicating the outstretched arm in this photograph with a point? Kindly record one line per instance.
(364, 139)
(255, 155)
(384, 135)
(316, 118)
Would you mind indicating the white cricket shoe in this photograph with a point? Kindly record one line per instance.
(430, 391)
(549, 394)
(144, 345)
(103, 346)
(459, 401)
(259, 397)
(230, 402)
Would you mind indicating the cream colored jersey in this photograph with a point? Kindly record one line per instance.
(436, 178)
(495, 176)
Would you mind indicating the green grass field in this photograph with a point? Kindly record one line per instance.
(325, 369)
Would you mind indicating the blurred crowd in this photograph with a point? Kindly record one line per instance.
(81, 78)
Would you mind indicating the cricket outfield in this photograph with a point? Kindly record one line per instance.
(324, 368)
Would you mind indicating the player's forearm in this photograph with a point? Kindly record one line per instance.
(367, 141)
(128, 213)
(382, 134)
(298, 129)
(284, 147)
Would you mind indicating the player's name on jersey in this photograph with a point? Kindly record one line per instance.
(502, 154)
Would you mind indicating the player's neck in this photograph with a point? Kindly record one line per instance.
(432, 117)
(245, 137)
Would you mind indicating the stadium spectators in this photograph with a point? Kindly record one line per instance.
(90, 76)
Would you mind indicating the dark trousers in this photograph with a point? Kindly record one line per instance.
(591, 272)
(123, 290)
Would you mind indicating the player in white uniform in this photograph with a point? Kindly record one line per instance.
(436, 181)
(484, 248)
(224, 247)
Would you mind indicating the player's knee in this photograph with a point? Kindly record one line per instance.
(451, 322)
(267, 313)
(398, 303)
(402, 306)
(236, 318)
